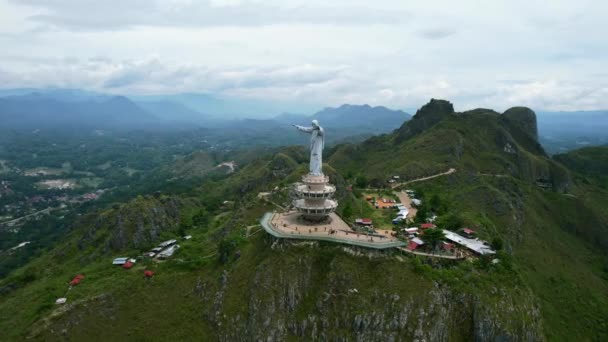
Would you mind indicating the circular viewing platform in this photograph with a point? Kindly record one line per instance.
(305, 191)
(315, 179)
(327, 207)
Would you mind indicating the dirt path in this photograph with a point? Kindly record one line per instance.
(407, 202)
(450, 171)
(492, 175)
(248, 228)
(46, 211)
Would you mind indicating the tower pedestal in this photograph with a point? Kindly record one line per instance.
(314, 197)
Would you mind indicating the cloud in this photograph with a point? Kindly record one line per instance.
(118, 14)
(436, 33)
(319, 85)
(477, 54)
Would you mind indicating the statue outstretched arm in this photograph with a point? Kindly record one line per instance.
(303, 129)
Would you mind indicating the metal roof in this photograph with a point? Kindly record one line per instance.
(475, 245)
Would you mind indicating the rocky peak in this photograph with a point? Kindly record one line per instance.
(435, 107)
(426, 117)
(522, 118)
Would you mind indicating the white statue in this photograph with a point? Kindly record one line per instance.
(316, 146)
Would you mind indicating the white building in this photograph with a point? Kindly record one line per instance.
(120, 261)
(167, 243)
(475, 245)
(168, 252)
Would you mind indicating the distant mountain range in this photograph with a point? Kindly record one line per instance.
(75, 109)
(36, 110)
(363, 117)
(33, 108)
(564, 131)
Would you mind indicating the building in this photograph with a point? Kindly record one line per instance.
(415, 243)
(167, 253)
(120, 261)
(166, 243)
(478, 246)
(364, 221)
(314, 197)
(468, 232)
(427, 226)
(410, 230)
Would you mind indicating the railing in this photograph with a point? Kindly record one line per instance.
(315, 179)
(268, 227)
(301, 205)
(303, 188)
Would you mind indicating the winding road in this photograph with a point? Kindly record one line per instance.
(450, 171)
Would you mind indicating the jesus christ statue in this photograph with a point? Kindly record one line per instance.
(316, 146)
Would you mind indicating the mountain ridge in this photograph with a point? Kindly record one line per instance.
(281, 290)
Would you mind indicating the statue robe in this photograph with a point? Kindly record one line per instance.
(316, 148)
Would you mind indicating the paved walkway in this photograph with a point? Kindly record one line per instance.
(451, 257)
(450, 171)
(286, 225)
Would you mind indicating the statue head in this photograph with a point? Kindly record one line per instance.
(315, 123)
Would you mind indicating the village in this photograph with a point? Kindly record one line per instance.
(392, 224)
(31, 207)
(442, 244)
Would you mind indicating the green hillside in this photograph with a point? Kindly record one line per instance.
(231, 281)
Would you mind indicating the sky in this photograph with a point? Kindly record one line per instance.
(548, 55)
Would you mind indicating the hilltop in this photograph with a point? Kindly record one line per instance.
(233, 282)
(479, 141)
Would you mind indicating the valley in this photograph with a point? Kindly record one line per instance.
(543, 215)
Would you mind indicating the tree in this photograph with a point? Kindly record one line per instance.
(347, 212)
(450, 222)
(361, 182)
(433, 236)
(201, 218)
(435, 202)
(421, 214)
(225, 249)
(497, 243)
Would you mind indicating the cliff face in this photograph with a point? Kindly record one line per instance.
(524, 119)
(427, 116)
(137, 224)
(311, 297)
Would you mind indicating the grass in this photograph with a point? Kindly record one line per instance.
(551, 268)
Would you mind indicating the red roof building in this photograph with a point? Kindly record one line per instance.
(468, 231)
(427, 226)
(127, 265)
(148, 274)
(415, 243)
(364, 221)
(77, 279)
(447, 246)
